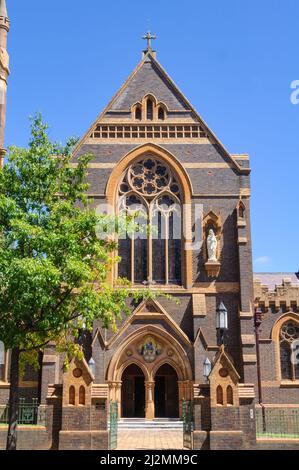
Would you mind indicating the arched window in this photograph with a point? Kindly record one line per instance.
(82, 395)
(150, 193)
(161, 114)
(149, 109)
(138, 113)
(229, 395)
(2, 361)
(219, 395)
(166, 243)
(72, 395)
(289, 350)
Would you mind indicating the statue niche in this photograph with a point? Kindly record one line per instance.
(212, 237)
(212, 245)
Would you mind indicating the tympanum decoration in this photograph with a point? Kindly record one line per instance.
(149, 349)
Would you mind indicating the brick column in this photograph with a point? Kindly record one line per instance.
(246, 297)
(48, 373)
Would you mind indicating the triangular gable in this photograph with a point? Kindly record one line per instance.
(150, 79)
(98, 336)
(82, 364)
(125, 97)
(223, 358)
(158, 312)
(200, 337)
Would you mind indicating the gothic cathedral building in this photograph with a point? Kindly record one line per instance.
(194, 351)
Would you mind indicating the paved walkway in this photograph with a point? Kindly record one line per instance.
(149, 439)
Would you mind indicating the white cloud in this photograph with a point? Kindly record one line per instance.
(262, 260)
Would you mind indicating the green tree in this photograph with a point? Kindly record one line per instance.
(53, 266)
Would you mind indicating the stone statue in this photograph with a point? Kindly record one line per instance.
(212, 244)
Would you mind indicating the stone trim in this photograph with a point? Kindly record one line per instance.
(199, 305)
(249, 358)
(246, 391)
(248, 339)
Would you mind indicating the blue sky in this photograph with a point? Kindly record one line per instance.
(234, 60)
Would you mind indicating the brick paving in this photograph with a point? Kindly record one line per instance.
(149, 439)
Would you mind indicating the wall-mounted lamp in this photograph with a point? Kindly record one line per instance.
(207, 367)
(221, 322)
(92, 366)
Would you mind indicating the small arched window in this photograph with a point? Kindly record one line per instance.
(72, 395)
(149, 109)
(229, 395)
(82, 395)
(289, 349)
(161, 114)
(2, 361)
(219, 395)
(138, 113)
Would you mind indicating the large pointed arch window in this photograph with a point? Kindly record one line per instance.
(289, 350)
(150, 193)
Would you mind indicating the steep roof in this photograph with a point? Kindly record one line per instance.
(150, 77)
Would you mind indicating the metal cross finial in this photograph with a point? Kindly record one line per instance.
(148, 36)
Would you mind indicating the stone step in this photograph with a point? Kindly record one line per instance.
(158, 423)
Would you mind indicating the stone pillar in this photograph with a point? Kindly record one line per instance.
(149, 400)
(181, 386)
(118, 397)
(115, 394)
(188, 390)
(112, 388)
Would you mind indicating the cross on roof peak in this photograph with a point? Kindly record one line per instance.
(149, 37)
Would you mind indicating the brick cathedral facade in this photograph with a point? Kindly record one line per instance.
(151, 148)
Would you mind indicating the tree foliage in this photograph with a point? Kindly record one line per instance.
(53, 266)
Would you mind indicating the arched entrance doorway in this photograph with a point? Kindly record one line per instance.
(133, 392)
(166, 392)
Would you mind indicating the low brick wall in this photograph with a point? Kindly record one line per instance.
(201, 440)
(226, 440)
(29, 438)
(277, 444)
(83, 440)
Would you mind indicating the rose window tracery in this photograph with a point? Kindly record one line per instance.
(149, 177)
(289, 350)
(289, 331)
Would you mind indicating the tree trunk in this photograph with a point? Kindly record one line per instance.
(11, 443)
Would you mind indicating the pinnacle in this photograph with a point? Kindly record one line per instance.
(3, 9)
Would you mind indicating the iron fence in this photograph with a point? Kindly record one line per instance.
(28, 413)
(113, 420)
(277, 423)
(188, 423)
